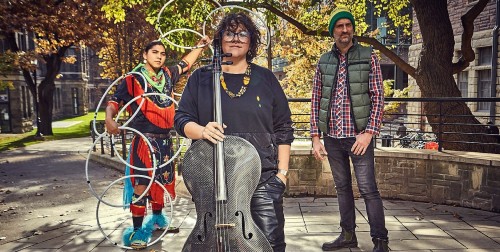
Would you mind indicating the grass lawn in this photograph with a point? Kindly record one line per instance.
(79, 130)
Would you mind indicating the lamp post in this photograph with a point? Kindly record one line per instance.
(37, 118)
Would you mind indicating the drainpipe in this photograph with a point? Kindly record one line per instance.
(494, 63)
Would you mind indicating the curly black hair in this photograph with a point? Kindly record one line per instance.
(231, 23)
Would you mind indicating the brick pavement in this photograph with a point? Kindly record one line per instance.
(63, 217)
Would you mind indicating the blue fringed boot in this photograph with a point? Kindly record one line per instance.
(155, 222)
(136, 239)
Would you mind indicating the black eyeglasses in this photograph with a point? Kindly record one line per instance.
(243, 36)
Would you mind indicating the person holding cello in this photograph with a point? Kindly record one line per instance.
(255, 108)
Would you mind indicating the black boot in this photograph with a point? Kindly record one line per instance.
(381, 245)
(344, 240)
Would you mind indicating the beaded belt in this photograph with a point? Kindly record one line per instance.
(152, 135)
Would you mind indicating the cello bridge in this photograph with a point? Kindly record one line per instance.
(224, 225)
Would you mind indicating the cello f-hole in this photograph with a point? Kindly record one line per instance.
(249, 235)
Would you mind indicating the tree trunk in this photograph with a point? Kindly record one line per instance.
(46, 89)
(434, 76)
(45, 98)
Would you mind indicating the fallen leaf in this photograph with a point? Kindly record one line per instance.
(456, 215)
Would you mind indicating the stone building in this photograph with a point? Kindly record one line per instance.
(475, 80)
(72, 95)
(397, 41)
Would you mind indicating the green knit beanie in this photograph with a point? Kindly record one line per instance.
(339, 13)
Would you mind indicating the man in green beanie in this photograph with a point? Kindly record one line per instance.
(346, 109)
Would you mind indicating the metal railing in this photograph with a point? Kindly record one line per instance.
(419, 133)
(122, 141)
(105, 142)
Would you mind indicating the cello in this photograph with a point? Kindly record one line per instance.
(221, 179)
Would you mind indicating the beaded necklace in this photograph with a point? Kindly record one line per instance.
(246, 81)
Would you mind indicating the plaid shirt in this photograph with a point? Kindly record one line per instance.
(342, 104)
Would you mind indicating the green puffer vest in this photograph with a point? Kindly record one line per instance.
(358, 70)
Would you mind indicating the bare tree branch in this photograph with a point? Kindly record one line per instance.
(305, 30)
(407, 68)
(468, 24)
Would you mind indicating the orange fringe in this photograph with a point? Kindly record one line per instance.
(156, 192)
(161, 117)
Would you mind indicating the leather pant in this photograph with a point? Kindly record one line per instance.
(267, 212)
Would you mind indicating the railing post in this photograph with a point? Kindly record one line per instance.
(92, 134)
(178, 144)
(111, 144)
(440, 129)
(102, 145)
(124, 145)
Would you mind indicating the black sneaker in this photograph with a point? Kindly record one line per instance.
(344, 240)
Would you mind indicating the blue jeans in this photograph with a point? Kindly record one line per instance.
(339, 151)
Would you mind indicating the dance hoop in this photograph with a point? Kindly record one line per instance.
(124, 125)
(126, 163)
(164, 35)
(169, 199)
(104, 96)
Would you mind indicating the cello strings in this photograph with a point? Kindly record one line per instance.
(226, 241)
(217, 211)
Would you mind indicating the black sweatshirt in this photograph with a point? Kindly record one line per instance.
(261, 115)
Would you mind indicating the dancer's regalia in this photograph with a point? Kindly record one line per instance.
(155, 120)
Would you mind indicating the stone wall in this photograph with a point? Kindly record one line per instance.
(451, 177)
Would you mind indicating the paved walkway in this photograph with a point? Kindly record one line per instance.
(45, 205)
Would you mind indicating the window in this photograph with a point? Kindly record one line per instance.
(484, 89)
(23, 103)
(57, 99)
(463, 83)
(28, 102)
(68, 70)
(484, 56)
(3, 46)
(484, 77)
(4, 111)
(31, 41)
(382, 27)
(54, 97)
(74, 95)
(21, 41)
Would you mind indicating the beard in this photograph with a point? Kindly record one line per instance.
(345, 38)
